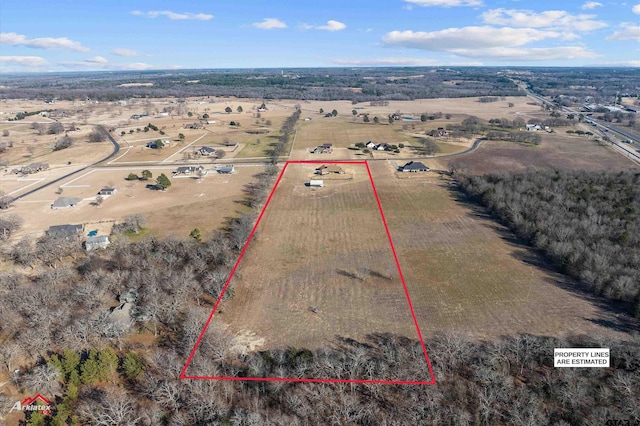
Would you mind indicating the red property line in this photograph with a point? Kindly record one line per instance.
(183, 374)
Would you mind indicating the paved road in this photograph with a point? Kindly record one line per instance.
(116, 148)
(622, 149)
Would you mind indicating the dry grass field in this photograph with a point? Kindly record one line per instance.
(186, 205)
(466, 274)
(317, 248)
(455, 106)
(556, 150)
(29, 147)
(344, 133)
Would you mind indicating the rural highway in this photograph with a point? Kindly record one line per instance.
(116, 148)
(621, 148)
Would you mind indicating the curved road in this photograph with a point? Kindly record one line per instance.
(116, 148)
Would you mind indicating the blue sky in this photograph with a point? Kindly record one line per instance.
(169, 34)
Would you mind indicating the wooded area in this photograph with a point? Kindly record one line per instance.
(586, 223)
(358, 85)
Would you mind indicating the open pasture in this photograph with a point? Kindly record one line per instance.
(319, 268)
(468, 275)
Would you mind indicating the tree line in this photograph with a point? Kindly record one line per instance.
(586, 223)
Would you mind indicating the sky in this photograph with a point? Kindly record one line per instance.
(68, 35)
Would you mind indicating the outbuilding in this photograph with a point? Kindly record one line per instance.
(315, 183)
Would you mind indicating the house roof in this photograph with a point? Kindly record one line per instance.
(415, 165)
(66, 202)
(207, 149)
(331, 168)
(102, 239)
(227, 169)
(107, 189)
(189, 169)
(65, 229)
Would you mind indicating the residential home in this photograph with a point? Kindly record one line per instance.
(65, 230)
(415, 166)
(107, 192)
(329, 169)
(206, 151)
(189, 170)
(99, 242)
(226, 169)
(383, 147)
(65, 202)
(370, 145)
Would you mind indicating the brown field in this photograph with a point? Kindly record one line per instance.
(344, 133)
(466, 274)
(186, 205)
(323, 248)
(455, 106)
(556, 150)
(29, 147)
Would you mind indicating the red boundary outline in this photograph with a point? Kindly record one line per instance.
(183, 374)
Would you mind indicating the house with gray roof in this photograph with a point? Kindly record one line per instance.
(65, 202)
(95, 243)
(415, 166)
(189, 170)
(65, 230)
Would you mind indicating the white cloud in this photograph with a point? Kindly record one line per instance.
(28, 61)
(407, 62)
(528, 53)
(134, 66)
(635, 64)
(488, 43)
(173, 15)
(269, 24)
(467, 38)
(591, 5)
(559, 19)
(95, 62)
(332, 26)
(636, 9)
(13, 39)
(125, 52)
(445, 3)
(627, 31)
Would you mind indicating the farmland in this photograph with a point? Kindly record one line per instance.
(467, 274)
(319, 268)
